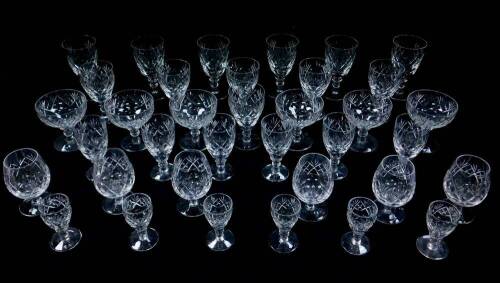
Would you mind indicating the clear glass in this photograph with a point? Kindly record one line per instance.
(408, 138)
(442, 218)
(394, 186)
(174, 77)
(361, 215)
(130, 109)
(338, 135)
(91, 136)
(277, 137)
(149, 56)
(285, 210)
(98, 79)
(79, 51)
(158, 135)
(242, 74)
(138, 211)
(219, 136)
(385, 77)
(313, 184)
(214, 53)
(281, 51)
(191, 181)
(55, 211)
(315, 76)
(27, 177)
(340, 51)
(217, 209)
(62, 109)
(193, 111)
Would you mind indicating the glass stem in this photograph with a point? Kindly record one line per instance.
(68, 135)
(276, 163)
(101, 108)
(280, 84)
(284, 234)
(434, 242)
(163, 163)
(356, 237)
(362, 136)
(297, 135)
(334, 162)
(118, 202)
(195, 136)
(336, 79)
(310, 207)
(135, 134)
(246, 135)
(214, 85)
(142, 232)
(220, 163)
(193, 203)
(219, 233)
(153, 83)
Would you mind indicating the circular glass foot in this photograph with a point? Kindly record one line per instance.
(88, 174)
(186, 142)
(65, 241)
(313, 214)
(224, 176)
(390, 215)
(432, 249)
(112, 206)
(29, 207)
(341, 172)
(280, 175)
(64, 144)
(303, 144)
(161, 176)
(185, 208)
(252, 145)
(283, 247)
(370, 145)
(220, 244)
(353, 246)
(145, 242)
(131, 144)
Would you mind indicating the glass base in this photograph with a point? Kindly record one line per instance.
(145, 244)
(228, 173)
(186, 142)
(431, 146)
(185, 209)
(89, 174)
(390, 215)
(399, 96)
(318, 213)
(252, 145)
(29, 207)
(303, 144)
(331, 96)
(341, 172)
(220, 244)
(110, 206)
(65, 241)
(354, 247)
(370, 145)
(279, 176)
(63, 144)
(283, 247)
(434, 251)
(161, 176)
(129, 144)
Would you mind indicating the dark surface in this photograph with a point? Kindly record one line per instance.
(456, 62)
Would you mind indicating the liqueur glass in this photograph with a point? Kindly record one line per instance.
(285, 210)
(214, 53)
(149, 55)
(98, 79)
(338, 135)
(315, 76)
(79, 51)
(138, 211)
(219, 136)
(385, 77)
(340, 52)
(174, 77)
(91, 136)
(361, 215)
(242, 74)
(281, 51)
(408, 138)
(217, 209)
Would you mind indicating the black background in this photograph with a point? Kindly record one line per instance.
(459, 61)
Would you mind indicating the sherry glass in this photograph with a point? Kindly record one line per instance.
(315, 76)
(138, 211)
(91, 136)
(242, 74)
(361, 215)
(385, 77)
(338, 135)
(219, 136)
(285, 210)
(98, 79)
(218, 208)
(214, 53)
(281, 53)
(340, 52)
(174, 77)
(149, 54)
(277, 137)
(80, 50)
(408, 138)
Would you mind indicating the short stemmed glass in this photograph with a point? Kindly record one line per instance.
(394, 186)
(385, 77)
(138, 211)
(26, 176)
(62, 109)
(193, 110)
(285, 210)
(98, 79)
(408, 138)
(340, 52)
(218, 208)
(408, 50)
(442, 218)
(158, 135)
(130, 109)
(246, 110)
(297, 108)
(80, 50)
(219, 136)
(431, 109)
(91, 136)
(114, 177)
(281, 53)
(365, 111)
(315, 76)
(361, 215)
(338, 135)
(313, 185)
(214, 53)
(149, 54)
(174, 76)
(191, 181)
(55, 211)
(277, 137)
(242, 74)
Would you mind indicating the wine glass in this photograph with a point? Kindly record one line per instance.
(214, 53)
(285, 210)
(315, 76)
(91, 136)
(408, 138)
(340, 52)
(149, 54)
(242, 74)
(219, 136)
(79, 50)
(138, 211)
(385, 77)
(361, 215)
(97, 79)
(338, 135)
(62, 109)
(218, 208)
(174, 76)
(281, 51)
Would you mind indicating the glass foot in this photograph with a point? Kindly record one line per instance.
(29, 207)
(390, 215)
(161, 176)
(333, 96)
(280, 175)
(341, 172)
(303, 144)
(142, 243)
(186, 142)
(224, 176)
(185, 208)
(432, 250)
(252, 145)
(64, 144)
(65, 241)
(353, 246)
(283, 247)
(112, 206)
(131, 144)
(431, 146)
(220, 244)
(89, 174)
(313, 214)
(370, 145)
(399, 96)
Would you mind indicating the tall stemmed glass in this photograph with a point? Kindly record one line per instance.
(285, 210)
(193, 111)
(408, 138)
(27, 177)
(130, 109)
(80, 50)
(138, 211)
(246, 110)
(91, 136)
(361, 215)
(218, 209)
(338, 135)
(277, 137)
(313, 185)
(114, 177)
(149, 56)
(315, 76)
(385, 77)
(62, 109)
(219, 136)
(158, 135)
(214, 53)
(281, 50)
(340, 52)
(242, 74)
(97, 79)
(174, 76)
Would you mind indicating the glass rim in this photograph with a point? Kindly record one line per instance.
(67, 203)
(215, 35)
(396, 37)
(130, 90)
(472, 156)
(139, 194)
(223, 195)
(337, 113)
(15, 151)
(317, 154)
(286, 34)
(285, 125)
(63, 91)
(160, 43)
(290, 196)
(99, 62)
(253, 60)
(407, 163)
(355, 41)
(187, 151)
(426, 90)
(365, 199)
(401, 68)
(312, 59)
(64, 43)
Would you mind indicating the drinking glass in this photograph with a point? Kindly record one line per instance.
(340, 52)
(97, 79)
(79, 50)
(138, 211)
(285, 210)
(158, 135)
(218, 208)
(315, 76)
(338, 135)
(385, 77)
(214, 53)
(361, 215)
(149, 54)
(219, 136)
(408, 138)
(281, 53)
(174, 76)
(242, 74)
(91, 136)
(277, 137)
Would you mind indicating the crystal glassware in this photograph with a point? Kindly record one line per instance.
(408, 138)
(174, 76)
(158, 135)
(297, 108)
(246, 110)
(138, 211)
(442, 218)
(219, 136)
(55, 211)
(277, 137)
(98, 79)
(340, 52)
(27, 177)
(130, 109)
(114, 178)
(365, 111)
(361, 215)
(394, 186)
(193, 111)
(315, 76)
(281, 53)
(384, 77)
(242, 74)
(191, 181)
(313, 185)
(285, 210)
(62, 109)
(338, 135)
(91, 136)
(149, 54)
(79, 50)
(217, 209)
(214, 53)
